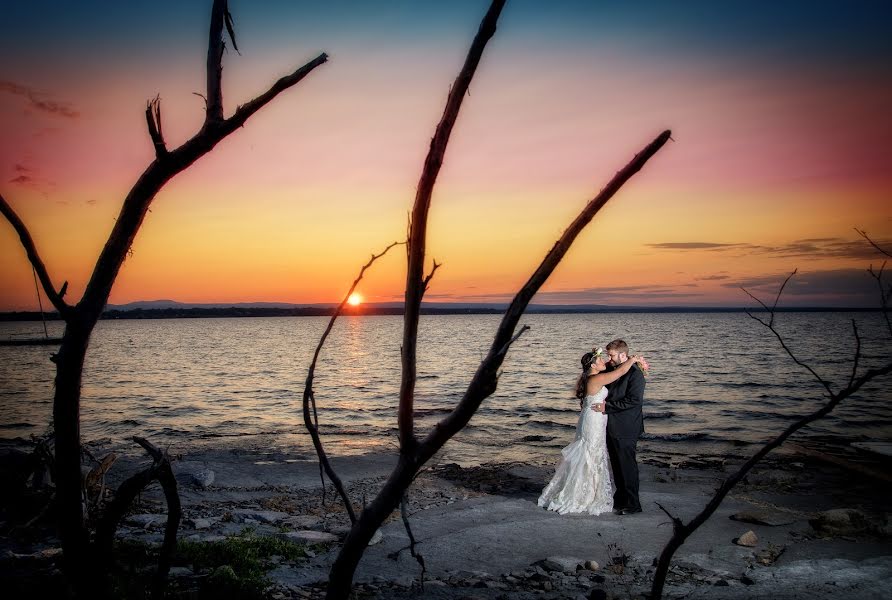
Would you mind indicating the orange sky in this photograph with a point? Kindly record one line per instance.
(776, 158)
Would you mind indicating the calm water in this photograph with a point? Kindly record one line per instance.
(718, 382)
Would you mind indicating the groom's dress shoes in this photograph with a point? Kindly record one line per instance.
(628, 511)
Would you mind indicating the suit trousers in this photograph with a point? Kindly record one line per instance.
(624, 463)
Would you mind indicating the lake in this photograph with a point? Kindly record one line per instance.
(719, 382)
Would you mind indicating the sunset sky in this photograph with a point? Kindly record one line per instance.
(781, 116)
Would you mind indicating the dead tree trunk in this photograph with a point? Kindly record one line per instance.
(80, 319)
(414, 453)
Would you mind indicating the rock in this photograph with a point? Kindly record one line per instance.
(840, 521)
(721, 583)
(261, 516)
(547, 586)
(198, 523)
(180, 572)
(597, 594)
(746, 580)
(200, 478)
(146, 521)
(405, 581)
(376, 538)
(562, 564)
(591, 565)
(308, 537)
(773, 519)
(748, 539)
(302, 522)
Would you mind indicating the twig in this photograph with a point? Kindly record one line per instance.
(770, 326)
(857, 352)
(309, 399)
(872, 243)
(430, 276)
(404, 513)
(153, 122)
(34, 257)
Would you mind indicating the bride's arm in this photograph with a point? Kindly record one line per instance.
(610, 376)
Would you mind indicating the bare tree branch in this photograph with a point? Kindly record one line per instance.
(417, 240)
(777, 298)
(681, 530)
(34, 257)
(684, 531)
(430, 276)
(783, 343)
(885, 294)
(153, 121)
(871, 242)
(857, 352)
(214, 113)
(484, 382)
(157, 174)
(127, 492)
(309, 400)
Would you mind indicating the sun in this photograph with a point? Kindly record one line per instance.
(354, 299)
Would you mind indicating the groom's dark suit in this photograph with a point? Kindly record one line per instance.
(625, 423)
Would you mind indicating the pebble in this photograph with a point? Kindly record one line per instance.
(748, 539)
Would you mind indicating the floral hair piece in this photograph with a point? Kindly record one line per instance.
(598, 352)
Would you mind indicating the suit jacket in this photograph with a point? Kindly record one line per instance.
(625, 399)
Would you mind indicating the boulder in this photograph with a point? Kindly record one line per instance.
(146, 521)
(561, 564)
(309, 537)
(261, 516)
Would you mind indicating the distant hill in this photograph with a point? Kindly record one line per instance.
(171, 309)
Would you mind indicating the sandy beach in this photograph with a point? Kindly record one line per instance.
(820, 530)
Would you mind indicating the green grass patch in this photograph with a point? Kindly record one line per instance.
(235, 567)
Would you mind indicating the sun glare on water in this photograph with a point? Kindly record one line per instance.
(354, 299)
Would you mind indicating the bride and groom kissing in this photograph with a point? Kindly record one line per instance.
(598, 472)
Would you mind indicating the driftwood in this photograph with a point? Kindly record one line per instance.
(681, 530)
(80, 319)
(414, 452)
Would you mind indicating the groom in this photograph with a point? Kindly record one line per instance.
(625, 397)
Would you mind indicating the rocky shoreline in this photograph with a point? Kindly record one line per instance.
(796, 528)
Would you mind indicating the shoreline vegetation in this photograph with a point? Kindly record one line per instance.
(205, 312)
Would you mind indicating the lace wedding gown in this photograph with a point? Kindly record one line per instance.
(583, 482)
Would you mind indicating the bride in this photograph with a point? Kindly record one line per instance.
(583, 482)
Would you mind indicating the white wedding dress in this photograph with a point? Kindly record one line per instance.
(583, 482)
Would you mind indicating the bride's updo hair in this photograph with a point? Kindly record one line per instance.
(586, 361)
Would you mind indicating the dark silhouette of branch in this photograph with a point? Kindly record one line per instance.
(34, 258)
(681, 531)
(85, 573)
(417, 240)
(161, 471)
(153, 122)
(484, 382)
(783, 343)
(215, 63)
(309, 400)
(404, 514)
(158, 173)
(863, 234)
(430, 276)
